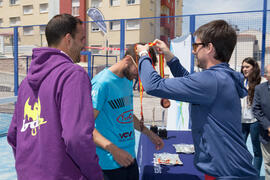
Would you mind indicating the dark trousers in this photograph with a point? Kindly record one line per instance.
(253, 130)
(129, 173)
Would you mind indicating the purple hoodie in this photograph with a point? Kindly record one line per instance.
(51, 129)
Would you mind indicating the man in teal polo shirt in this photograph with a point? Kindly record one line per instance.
(112, 96)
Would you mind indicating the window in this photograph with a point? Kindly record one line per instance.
(94, 27)
(96, 49)
(13, 2)
(96, 3)
(177, 3)
(28, 9)
(76, 7)
(165, 10)
(115, 25)
(130, 2)
(1, 2)
(133, 24)
(257, 55)
(42, 29)
(28, 30)
(13, 21)
(43, 8)
(152, 5)
(1, 22)
(115, 3)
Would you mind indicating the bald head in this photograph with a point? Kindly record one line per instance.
(267, 72)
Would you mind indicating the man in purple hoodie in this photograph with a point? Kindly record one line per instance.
(51, 129)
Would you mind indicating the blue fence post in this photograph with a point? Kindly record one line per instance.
(93, 65)
(192, 30)
(263, 35)
(27, 57)
(122, 38)
(88, 54)
(15, 55)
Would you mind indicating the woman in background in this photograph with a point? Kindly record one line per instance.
(250, 125)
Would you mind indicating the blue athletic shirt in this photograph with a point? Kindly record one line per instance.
(112, 96)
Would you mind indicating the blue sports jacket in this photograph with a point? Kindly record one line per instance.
(214, 94)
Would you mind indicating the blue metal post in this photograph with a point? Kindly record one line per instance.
(122, 38)
(192, 30)
(263, 35)
(93, 65)
(88, 54)
(27, 57)
(15, 55)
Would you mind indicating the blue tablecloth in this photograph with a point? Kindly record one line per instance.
(145, 159)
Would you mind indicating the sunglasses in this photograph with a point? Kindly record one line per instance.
(195, 45)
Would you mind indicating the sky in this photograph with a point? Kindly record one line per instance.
(216, 6)
(242, 21)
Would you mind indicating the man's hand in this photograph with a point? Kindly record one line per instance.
(121, 156)
(156, 140)
(162, 48)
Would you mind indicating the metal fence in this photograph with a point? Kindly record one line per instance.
(16, 43)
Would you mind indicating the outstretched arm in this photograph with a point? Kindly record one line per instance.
(156, 140)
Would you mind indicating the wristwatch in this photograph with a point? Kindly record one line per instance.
(143, 53)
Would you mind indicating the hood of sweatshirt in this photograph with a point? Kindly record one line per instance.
(43, 63)
(236, 76)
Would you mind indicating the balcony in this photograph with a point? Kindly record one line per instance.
(165, 3)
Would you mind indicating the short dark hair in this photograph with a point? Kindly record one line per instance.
(132, 52)
(59, 26)
(221, 35)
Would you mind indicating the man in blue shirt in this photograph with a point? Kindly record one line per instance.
(214, 94)
(112, 96)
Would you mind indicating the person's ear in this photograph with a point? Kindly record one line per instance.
(68, 38)
(210, 48)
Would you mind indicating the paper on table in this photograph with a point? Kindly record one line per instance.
(167, 159)
(184, 148)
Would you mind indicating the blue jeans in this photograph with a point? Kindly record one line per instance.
(253, 130)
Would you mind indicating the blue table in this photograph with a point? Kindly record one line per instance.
(145, 159)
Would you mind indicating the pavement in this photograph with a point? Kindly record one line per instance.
(152, 110)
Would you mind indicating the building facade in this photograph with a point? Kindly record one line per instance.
(28, 15)
(136, 29)
(141, 28)
(249, 44)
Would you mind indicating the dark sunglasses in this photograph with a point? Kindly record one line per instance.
(195, 45)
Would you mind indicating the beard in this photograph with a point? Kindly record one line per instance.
(128, 74)
(201, 63)
(75, 55)
(77, 59)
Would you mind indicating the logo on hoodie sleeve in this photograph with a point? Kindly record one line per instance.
(32, 115)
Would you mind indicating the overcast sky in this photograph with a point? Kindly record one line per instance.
(216, 6)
